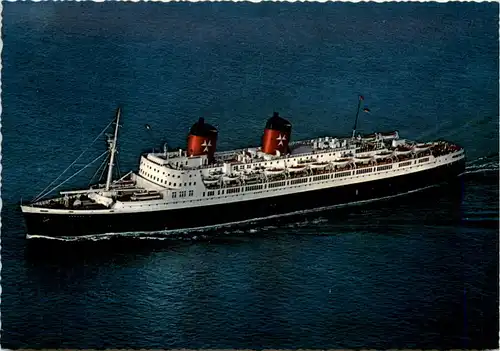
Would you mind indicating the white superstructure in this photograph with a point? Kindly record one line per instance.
(175, 180)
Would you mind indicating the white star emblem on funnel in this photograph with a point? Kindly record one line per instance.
(206, 145)
(281, 138)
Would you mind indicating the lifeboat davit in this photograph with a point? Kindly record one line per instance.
(202, 140)
(276, 135)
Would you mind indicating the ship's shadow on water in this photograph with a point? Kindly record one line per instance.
(437, 206)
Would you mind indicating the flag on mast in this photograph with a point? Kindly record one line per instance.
(361, 97)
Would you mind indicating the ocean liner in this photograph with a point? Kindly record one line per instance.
(199, 187)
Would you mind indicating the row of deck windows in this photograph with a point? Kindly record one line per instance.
(342, 174)
(253, 187)
(363, 171)
(158, 171)
(163, 181)
(298, 181)
(182, 194)
(321, 177)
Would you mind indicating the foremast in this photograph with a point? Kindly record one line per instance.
(112, 147)
(110, 153)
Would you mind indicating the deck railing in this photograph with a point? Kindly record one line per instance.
(328, 170)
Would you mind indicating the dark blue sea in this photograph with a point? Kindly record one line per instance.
(419, 271)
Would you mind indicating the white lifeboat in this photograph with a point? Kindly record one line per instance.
(319, 165)
(422, 147)
(216, 173)
(363, 159)
(251, 176)
(383, 155)
(342, 162)
(259, 168)
(230, 177)
(297, 168)
(389, 135)
(145, 195)
(403, 151)
(210, 180)
(369, 137)
(274, 171)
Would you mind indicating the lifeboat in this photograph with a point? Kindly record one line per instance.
(230, 177)
(145, 195)
(383, 155)
(369, 137)
(363, 159)
(422, 147)
(319, 165)
(210, 180)
(274, 171)
(389, 135)
(342, 162)
(251, 177)
(297, 168)
(403, 151)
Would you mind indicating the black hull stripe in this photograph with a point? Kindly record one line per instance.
(202, 218)
(224, 225)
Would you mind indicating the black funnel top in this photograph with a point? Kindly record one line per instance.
(278, 123)
(203, 129)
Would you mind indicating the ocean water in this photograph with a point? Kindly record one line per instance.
(414, 272)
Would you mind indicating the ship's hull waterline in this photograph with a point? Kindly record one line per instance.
(74, 225)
